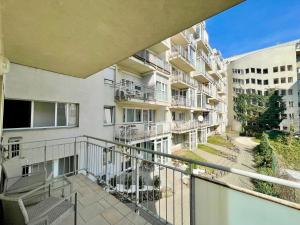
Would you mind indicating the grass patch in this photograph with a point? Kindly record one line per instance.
(219, 140)
(256, 140)
(209, 149)
(187, 154)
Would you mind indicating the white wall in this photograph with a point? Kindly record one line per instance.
(91, 94)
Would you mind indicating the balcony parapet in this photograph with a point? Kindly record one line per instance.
(153, 60)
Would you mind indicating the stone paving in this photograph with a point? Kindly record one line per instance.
(97, 207)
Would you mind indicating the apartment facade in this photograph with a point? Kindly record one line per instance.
(179, 85)
(275, 68)
(168, 97)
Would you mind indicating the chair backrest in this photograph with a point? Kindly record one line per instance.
(14, 211)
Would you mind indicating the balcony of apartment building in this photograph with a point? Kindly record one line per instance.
(131, 132)
(88, 180)
(206, 58)
(298, 46)
(220, 88)
(200, 73)
(181, 58)
(180, 79)
(128, 92)
(201, 38)
(145, 61)
(183, 102)
(180, 127)
(182, 38)
(161, 47)
(215, 74)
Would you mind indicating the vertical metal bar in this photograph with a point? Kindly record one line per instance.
(75, 209)
(49, 191)
(137, 180)
(192, 200)
(166, 195)
(173, 199)
(181, 196)
(87, 156)
(75, 158)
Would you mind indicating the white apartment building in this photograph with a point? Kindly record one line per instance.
(172, 95)
(168, 97)
(275, 68)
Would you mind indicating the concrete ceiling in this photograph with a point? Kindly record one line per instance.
(81, 37)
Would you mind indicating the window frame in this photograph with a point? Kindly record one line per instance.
(32, 127)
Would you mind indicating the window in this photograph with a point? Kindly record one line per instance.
(276, 80)
(109, 115)
(259, 82)
(275, 69)
(15, 147)
(138, 115)
(259, 92)
(291, 104)
(266, 82)
(265, 71)
(44, 114)
(247, 81)
(290, 92)
(247, 70)
(258, 71)
(62, 110)
(17, 114)
(252, 70)
(283, 80)
(290, 68)
(282, 68)
(35, 114)
(290, 79)
(252, 81)
(266, 93)
(283, 92)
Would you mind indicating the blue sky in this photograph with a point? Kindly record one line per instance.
(254, 24)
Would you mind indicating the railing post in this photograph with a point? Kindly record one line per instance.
(87, 157)
(45, 158)
(192, 199)
(75, 209)
(75, 158)
(137, 165)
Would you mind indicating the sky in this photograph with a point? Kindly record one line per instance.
(254, 24)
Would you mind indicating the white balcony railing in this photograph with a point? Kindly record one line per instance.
(140, 131)
(155, 61)
(183, 126)
(183, 101)
(180, 76)
(182, 51)
(126, 91)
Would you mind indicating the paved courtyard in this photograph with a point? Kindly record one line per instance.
(97, 207)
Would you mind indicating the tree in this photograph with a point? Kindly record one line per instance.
(272, 116)
(258, 113)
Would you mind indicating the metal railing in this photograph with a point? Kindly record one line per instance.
(183, 101)
(180, 76)
(124, 92)
(178, 50)
(155, 61)
(160, 186)
(140, 131)
(184, 126)
(205, 58)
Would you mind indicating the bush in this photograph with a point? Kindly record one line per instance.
(265, 187)
(263, 155)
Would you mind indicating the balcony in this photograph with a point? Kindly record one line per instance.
(201, 38)
(206, 59)
(113, 180)
(182, 80)
(140, 131)
(182, 102)
(132, 93)
(179, 57)
(182, 38)
(298, 46)
(215, 74)
(145, 61)
(160, 47)
(180, 127)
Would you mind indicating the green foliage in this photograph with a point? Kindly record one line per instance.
(265, 187)
(263, 153)
(258, 113)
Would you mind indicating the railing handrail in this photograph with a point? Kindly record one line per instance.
(248, 174)
(252, 175)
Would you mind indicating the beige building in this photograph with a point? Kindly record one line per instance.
(276, 68)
